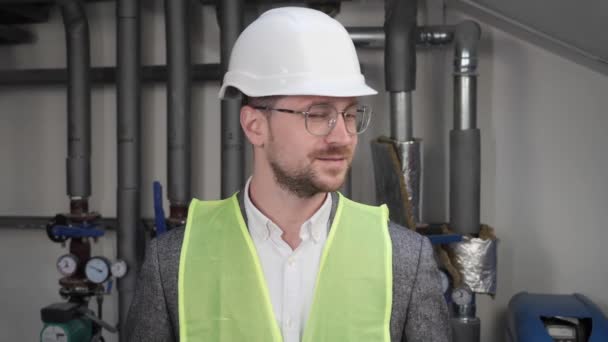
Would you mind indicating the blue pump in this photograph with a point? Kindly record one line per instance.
(550, 318)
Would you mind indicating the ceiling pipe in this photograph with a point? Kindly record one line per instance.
(233, 152)
(129, 235)
(178, 109)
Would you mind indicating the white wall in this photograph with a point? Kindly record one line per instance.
(542, 123)
(544, 188)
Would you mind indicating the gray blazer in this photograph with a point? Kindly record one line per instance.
(419, 311)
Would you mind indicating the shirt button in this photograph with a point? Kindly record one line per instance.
(291, 260)
(289, 322)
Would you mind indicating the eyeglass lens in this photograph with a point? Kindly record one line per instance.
(322, 118)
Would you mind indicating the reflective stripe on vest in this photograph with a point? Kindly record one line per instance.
(222, 293)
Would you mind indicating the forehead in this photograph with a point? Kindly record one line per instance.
(307, 101)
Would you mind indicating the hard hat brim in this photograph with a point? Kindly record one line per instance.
(285, 86)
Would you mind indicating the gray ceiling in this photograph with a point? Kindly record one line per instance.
(581, 24)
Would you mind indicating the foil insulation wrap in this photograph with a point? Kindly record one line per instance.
(411, 167)
(397, 173)
(475, 259)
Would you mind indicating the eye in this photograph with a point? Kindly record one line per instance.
(319, 113)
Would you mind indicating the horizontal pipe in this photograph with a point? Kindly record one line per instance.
(40, 222)
(102, 75)
(369, 36)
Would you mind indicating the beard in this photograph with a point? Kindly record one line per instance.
(305, 182)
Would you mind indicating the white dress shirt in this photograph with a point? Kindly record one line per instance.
(290, 274)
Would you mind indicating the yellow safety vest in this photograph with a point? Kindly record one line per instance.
(223, 296)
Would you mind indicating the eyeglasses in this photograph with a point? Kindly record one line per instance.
(320, 119)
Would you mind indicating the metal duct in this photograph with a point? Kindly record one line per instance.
(465, 158)
(178, 103)
(130, 234)
(233, 153)
(78, 163)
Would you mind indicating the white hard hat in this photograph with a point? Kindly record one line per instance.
(295, 51)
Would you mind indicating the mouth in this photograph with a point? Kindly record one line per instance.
(333, 160)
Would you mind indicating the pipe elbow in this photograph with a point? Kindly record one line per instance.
(466, 38)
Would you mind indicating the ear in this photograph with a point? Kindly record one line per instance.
(253, 123)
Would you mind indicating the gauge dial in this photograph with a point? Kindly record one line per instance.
(97, 270)
(119, 268)
(67, 264)
(462, 296)
(53, 333)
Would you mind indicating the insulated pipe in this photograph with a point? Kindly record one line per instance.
(129, 235)
(178, 104)
(400, 48)
(99, 75)
(233, 153)
(78, 163)
(425, 35)
(400, 64)
(465, 151)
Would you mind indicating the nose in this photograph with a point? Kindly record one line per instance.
(338, 134)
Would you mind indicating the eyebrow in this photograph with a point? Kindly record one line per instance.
(348, 105)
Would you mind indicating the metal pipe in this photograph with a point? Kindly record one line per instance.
(401, 116)
(425, 35)
(466, 38)
(130, 234)
(102, 75)
(178, 102)
(233, 152)
(465, 151)
(78, 163)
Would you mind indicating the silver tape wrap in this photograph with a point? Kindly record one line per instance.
(411, 167)
(475, 259)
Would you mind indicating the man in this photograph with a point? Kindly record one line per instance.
(288, 258)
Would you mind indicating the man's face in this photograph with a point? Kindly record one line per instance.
(302, 163)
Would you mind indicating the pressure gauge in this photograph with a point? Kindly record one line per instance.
(119, 268)
(67, 264)
(54, 333)
(462, 296)
(97, 270)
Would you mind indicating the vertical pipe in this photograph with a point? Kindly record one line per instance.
(129, 235)
(465, 150)
(400, 64)
(401, 116)
(178, 102)
(233, 153)
(78, 163)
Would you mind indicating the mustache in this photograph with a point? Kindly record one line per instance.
(342, 151)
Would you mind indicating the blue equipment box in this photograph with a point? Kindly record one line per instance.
(555, 318)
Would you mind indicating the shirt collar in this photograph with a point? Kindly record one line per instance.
(262, 228)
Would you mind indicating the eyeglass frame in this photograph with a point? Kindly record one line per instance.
(332, 122)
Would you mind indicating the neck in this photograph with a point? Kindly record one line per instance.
(284, 208)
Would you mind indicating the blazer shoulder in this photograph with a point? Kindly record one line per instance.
(405, 239)
(171, 241)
